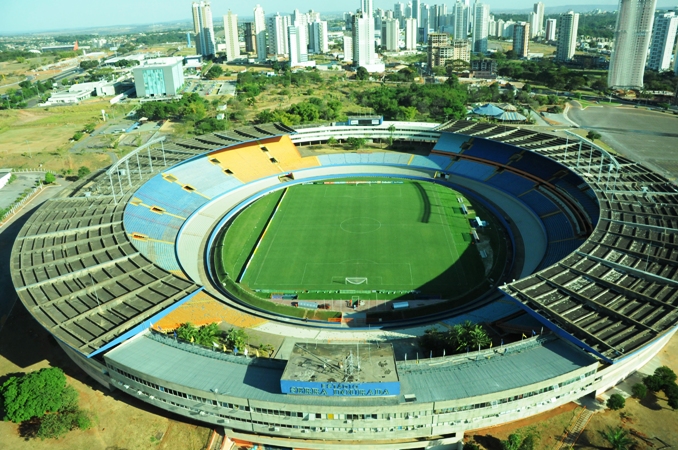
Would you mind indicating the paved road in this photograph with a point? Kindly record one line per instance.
(8, 234)
(645, 136)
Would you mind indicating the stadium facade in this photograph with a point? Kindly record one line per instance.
(99, 265)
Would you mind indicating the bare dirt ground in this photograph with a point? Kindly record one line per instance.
(121, 422)
(41, 136)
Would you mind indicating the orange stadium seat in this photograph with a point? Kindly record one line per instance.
(285, 152)
(203, 309)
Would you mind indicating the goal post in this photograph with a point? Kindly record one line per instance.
(356, 280)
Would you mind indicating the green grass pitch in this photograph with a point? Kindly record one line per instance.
(407, 236)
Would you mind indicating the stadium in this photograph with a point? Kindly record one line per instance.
(529, 233)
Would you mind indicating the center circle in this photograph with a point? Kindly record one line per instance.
(360, 225)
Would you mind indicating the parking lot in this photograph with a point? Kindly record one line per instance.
(24, 182)
(210, 87)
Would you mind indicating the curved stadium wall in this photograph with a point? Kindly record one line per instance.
(98, 266)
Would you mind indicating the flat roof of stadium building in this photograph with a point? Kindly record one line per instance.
(329, 363)
(259, 378)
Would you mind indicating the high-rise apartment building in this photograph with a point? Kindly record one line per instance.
(532, 20)
(441, 49)
(250, 38)
(521, 39)
(538, 10)
(277, 34)
(203, 28)
(364, 54)
(410, 34)
(500, 27)
(231, 35)
(567, 38)
(435, 42)
(416, 11)
(390, 35)
(296, 43)
(631, 42)
(348, 48)
(481, 22)
(663, 37)
(675, 65)
(318, 39)
(367, 7)
(550, 34)
(260, 31)
(399, 13)
(460, 12)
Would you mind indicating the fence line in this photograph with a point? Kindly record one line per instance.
(17, 206)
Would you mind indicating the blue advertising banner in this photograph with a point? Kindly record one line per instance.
(340, 389)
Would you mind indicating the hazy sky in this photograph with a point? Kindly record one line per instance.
(17, 16)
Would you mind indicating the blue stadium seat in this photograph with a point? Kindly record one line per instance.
(558, 227)
(139, 219)
(539, 203)
(510, 182)
(491, 150)
(440, 160)
(397, 158)
(375, 158)
(207, 178)
(590, 205)
(450, 142)
(169, 196)
(472, 169)
(537, 165)
(352, 158)
(423, 161)
(159, 253)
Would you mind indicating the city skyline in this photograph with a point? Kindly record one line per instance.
(48, 16)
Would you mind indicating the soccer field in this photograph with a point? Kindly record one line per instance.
(403, 236)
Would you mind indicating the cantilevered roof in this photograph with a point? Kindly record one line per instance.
(260, 379)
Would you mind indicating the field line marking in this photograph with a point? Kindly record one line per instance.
(303, 275)
(275, 213)
(448, 232)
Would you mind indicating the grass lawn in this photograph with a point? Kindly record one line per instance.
(401, 237)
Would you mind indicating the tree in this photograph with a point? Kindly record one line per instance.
(639, 390)
(391, 131)
(332, 141)
(513, 442)
(36, 394)
(267, 349)
(355, 143)
(616, 402)
(471, 446)
(237, 338)
(49, 178)
(83, 172)
(592, 135)
(618, 438)
(215, 72)
(78, 135)
(187, 332)
(57, 424)
(362, 74)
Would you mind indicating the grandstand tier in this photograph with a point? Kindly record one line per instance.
(97, 266)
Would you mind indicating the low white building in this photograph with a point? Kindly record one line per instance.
(4, 177)
(67, 97)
